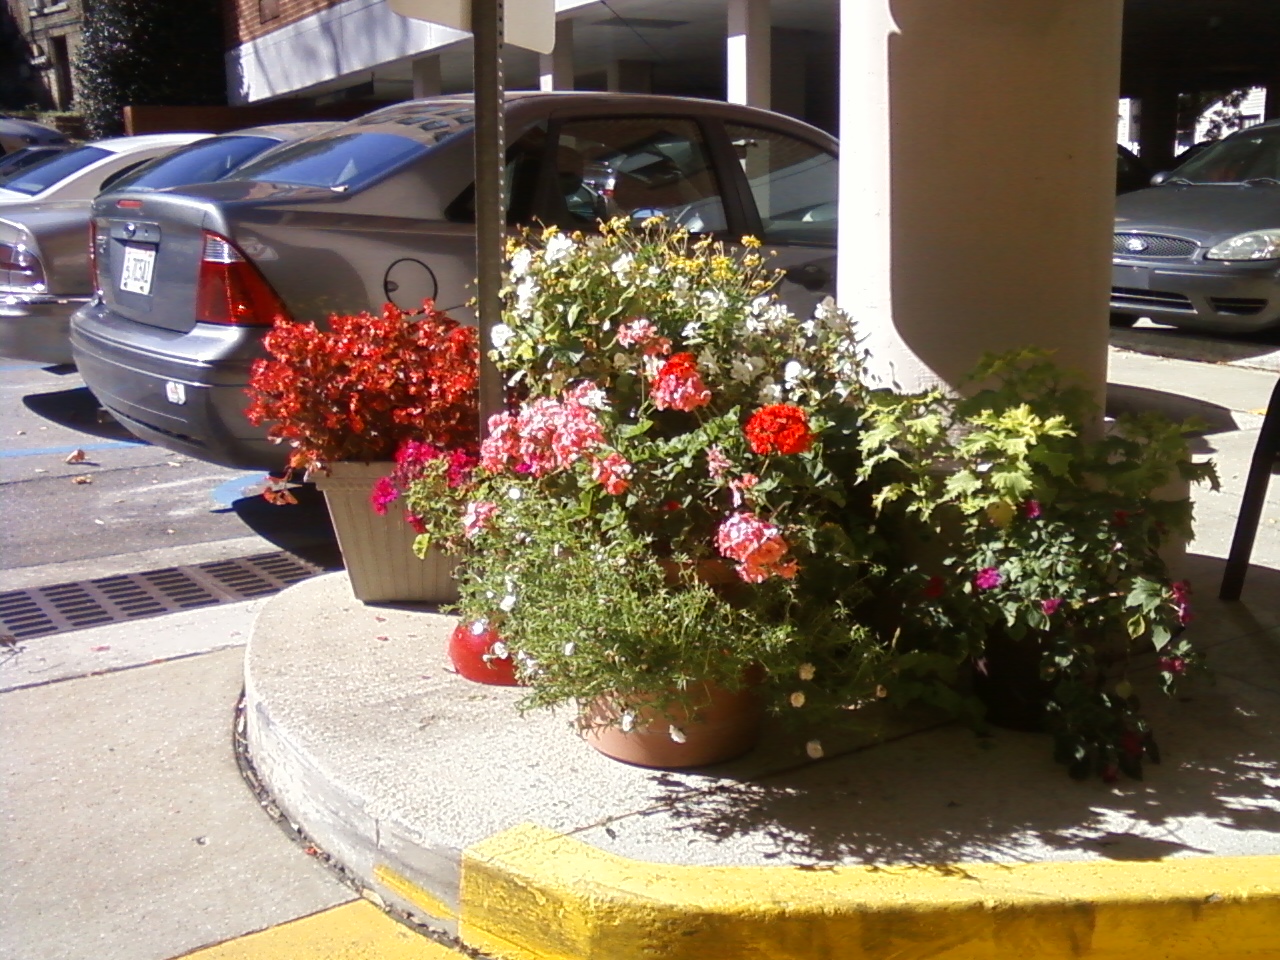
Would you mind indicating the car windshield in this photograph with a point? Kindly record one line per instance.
(201, 162)
(346, 161)
(42, 176)
(1250, 155)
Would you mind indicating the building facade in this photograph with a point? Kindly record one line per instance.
(38, 43)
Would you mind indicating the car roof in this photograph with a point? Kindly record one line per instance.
(146, 141)
(284, 131)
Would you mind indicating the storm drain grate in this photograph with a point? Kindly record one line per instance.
(39, 611)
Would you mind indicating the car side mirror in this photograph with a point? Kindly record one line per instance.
(1160, 178)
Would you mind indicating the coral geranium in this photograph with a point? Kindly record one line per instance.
(779, 428)
(679, 386)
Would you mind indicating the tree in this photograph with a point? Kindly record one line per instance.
(144, 52)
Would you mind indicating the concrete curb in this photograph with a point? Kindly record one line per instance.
(530, 893)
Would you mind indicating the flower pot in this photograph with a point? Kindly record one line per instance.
(721, 725)
(377, 550)
(1008, 682)
(471, 653)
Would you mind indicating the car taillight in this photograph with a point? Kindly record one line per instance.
(20, 269)
(94, 260)
(231, 290)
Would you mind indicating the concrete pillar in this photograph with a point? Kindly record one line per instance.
(555, 69)
(1158, 124)
(630, 76)
(748, 53)
(426, 77)
(977, 172)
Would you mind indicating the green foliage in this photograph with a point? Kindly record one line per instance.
(143, 52)
(1050, 530)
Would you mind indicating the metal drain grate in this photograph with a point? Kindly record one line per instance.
(88, 603)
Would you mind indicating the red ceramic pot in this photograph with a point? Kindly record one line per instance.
(471, 651)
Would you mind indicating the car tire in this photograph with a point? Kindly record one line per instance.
(1123, 320)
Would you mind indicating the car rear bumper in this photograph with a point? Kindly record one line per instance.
(36, 328)
(182, 403)
(1239, 298)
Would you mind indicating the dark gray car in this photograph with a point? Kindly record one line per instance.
(382, 209)
(44, 244)
(1202, 249)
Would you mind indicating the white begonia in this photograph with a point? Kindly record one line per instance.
(692, 330)
(478, 627)
(514, 493)
(622, 266)
(628, 722)
(520, 261)
(744, 370)
(677, 734)
(814, 749)
(499, 650)
(793, 373)
(500, 335)
(526, 290)
(759, 305)
(570, 648)
(558, 247)
(508, 603)
(770, 391)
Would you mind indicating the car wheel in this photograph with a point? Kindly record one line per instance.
(1123, 320)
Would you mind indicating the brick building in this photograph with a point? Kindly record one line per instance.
(38, 41)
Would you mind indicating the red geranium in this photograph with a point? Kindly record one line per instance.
(779, 428)
(367, 383)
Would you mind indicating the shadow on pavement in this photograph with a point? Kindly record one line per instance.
(945, 795)
(1122, 399)
(303, 528)
(77, 409)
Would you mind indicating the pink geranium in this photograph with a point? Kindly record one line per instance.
(758, 547)
(545, 436)
(612, 472)
(476, 516)
(988, 578)
(679, 386)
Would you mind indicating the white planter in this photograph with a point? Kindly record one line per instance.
(378, 550)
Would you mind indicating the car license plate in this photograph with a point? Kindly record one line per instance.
(1135, 278)
(139, 262)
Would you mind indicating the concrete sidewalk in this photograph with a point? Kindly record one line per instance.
(909, 839)
(127, 831)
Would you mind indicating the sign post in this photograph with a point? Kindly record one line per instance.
(529, 24)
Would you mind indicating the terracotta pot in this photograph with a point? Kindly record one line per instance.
(723, 726)
(377, 550)
(471, 654)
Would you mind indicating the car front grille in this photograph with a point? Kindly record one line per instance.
(1128, 297)
(1157, 247)
(1238, 306)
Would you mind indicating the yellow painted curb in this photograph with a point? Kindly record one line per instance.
(352, 931)
(410, 892)
(531, 893)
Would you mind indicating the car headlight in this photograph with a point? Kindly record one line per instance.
(1254, 245)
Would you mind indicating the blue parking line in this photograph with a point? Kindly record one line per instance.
(238, 488)
(55, 451)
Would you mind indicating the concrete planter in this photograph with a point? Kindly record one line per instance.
(378, 550)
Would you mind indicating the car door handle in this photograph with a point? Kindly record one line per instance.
(811, 276)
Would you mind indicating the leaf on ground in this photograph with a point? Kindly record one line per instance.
(76, 456)
(83, 478)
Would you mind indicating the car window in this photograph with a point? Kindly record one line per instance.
(345, 160)
(793, 183)
(20, 160)
(1250, 155)
(636, 167)
(520, 178)
(42, 176)
(201, 162)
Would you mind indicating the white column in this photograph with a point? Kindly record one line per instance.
(555, 69)
(426, 77)
(747, 53)
(977, 172)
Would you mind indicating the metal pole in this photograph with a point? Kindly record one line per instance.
(490, 148)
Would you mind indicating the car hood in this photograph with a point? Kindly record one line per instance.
(1203, 213)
